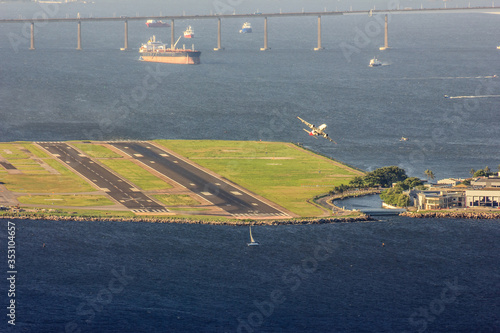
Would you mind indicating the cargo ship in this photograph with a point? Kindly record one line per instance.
(156, 51)
(157, 24)
(246, 28)
(189, 33)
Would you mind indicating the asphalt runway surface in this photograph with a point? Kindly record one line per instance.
(114, 186)
(220, 193)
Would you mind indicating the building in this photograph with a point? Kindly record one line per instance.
(450, 181)
(487, 197)
(492, 181)
(431, 200)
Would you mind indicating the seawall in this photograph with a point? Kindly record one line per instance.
(362, 218)
(454, 215)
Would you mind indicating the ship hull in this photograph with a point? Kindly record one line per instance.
(158, 25)
(246, 30)
(181, 58)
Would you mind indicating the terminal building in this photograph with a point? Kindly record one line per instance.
(483, 192)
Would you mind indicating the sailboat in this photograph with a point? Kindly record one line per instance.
(252, 241)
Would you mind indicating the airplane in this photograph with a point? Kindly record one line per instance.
(315, 131)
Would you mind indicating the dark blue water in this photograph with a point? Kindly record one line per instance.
(394, 275)
(358, 277)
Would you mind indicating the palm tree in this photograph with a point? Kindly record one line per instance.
(429, 174)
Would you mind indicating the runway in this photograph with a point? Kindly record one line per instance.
(114, 186)
(220, 193)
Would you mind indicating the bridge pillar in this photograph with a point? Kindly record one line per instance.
(265, 48)
(172, 34)
(125, 46)
(386, 37)
(32, 44)
(219, 43)
(79, 41)
(319, 48)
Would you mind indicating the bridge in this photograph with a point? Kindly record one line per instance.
(219, 18)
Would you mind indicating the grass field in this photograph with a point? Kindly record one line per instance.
(280, 172)
(176, 200)
(137, 175)
(66, 200)
(96, 150)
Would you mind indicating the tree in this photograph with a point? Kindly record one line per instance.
(487, 170)
(472, 171)
(429, 174)
(358, 182)
(412, 182)
(385, 176)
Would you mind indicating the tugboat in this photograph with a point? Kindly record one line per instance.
(375, 62)
(189, 33)
(246, 28)
(157, 24)
(156, 51)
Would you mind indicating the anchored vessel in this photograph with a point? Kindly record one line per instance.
(157, 24)
(156, 51)
(246, 28)
(189, 33)
(375, 62)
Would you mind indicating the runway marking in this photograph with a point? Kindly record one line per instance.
(133, 189)
(138, 155)
(253, 203)
(192, 184)
(164, 155)
(236, 193)
(218, 184)
(56, 155)
(206, 193)
(151, 161)
(175, 161)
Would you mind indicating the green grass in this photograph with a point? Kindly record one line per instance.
(96, 150)
(66, 200)
(137, 175)
(36, 151)
(66, 181)
(12, 151)
(282, 173)
(176, 200)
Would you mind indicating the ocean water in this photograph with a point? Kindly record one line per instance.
(394, 275)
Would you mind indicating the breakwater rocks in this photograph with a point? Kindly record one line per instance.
(453, 215)
(361, 218)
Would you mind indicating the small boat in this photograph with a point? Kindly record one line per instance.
(375, 62)
(498, 47)
(403, 139)
(252, 241)
(157, 24)
(246, 28)
(189, 33)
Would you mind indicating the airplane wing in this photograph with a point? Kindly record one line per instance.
(311, 126)
(331, 140)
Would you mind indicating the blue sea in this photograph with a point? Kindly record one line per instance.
(393, 275)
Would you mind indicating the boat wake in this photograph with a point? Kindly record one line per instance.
(483, 96)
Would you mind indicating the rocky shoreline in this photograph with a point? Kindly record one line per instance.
(362, 218)
(455, 215)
